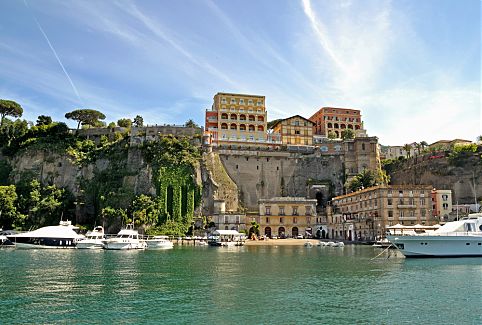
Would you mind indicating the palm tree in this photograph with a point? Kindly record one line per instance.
(424, 145)
(407, 149)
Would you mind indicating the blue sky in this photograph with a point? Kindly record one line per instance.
(412, 67)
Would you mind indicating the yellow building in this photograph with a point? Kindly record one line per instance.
(237, 119)
(365, 214)
(295, 130)
(286, 217)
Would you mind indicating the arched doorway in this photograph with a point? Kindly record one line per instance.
(319, 199)
(294, 232)
(281, 232)
(267, 232)
(323, 234)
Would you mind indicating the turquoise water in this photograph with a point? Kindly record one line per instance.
(243, 285)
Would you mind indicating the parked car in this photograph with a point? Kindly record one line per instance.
(299, 237)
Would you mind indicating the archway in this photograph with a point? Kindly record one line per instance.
(267, 232)
(323, 234)
(294, 232)
(281, 232)
(319, 199)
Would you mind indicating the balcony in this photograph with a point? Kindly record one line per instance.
(406, 206)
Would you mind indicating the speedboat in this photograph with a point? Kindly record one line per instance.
(461, 238)
(5, 242)
(93, 239)
(62, 236)
(127, 238)
(159, 242)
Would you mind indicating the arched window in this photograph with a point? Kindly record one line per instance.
(233, 126)
(260, 128)
(342, 126)
(260, 119)
(251, 118)
(267, 232)
(242, 127)
(357, 127)
(224, 116)
(350, 126)
(224, 126)
(251, 128)
(294, 232)
(234, 117)
(335, 125)
(330, 125)
(242, 117)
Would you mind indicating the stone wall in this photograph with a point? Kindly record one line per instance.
(261, 174)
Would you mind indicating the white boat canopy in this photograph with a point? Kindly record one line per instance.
(227, 232)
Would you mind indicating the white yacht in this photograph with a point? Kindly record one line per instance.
(93, 239)
(462, 238)
(62, 236)
(127, 238)
(159, 242)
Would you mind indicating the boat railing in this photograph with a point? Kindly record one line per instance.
(441, 234)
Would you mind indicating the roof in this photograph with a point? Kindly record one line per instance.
(280, 121)
(227, 232)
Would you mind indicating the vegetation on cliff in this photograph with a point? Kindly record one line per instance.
(103, 196)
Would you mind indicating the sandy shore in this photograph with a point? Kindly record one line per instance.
(281, 242)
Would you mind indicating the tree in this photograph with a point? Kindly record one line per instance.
(85, 117)
(124, 122)
(331, 135)
(479, 138)
(423, 144)
(138, 121)
(191, 124)
(8, 210)
(111, 125)
(44, 120)
(365, 179)
(347, 134)
(9, 108)
(144, 210)
(272, 123)
(407, 149)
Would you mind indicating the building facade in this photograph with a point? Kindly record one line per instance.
(286, 217)
(365, 215)
(295, 130)
(441, 204)
(336, 120)
(238, 119)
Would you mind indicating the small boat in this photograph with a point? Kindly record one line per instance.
(127, 238)
(5, 242)
(159, 242)
(62, 236)
(226, 238)
(93, 239)
(461, 238)
(382, 243)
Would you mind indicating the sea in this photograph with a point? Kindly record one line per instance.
(239, 285)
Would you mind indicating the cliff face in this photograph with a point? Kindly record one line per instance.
(442, 173)
(273, 174)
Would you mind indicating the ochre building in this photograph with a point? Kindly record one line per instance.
(295, 130)
(336, 120)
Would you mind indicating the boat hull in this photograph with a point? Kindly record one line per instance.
(124, 245)
(38, 243)
(90, 244)
(159, 245)
(438, 246)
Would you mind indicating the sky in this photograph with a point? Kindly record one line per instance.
(413, 67)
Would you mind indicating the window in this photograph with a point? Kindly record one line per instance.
(401, 214)
(250, 102)
(389, 202)
(226, 219)
(268, 211)
(400, 201)
(308, 220)
(308, 210)
(445, 206)
(281, 211)
(233, 101)
(390, 214)
(259, 103)
(411, 201)
(237, 219)
(422, 201)
(281, 220)
(295, 211)
(445, 197)
(241, 101)
(267, 220)
(422, 212)
(295, 220)
(297, 131)
(223, 100)
(412, 213)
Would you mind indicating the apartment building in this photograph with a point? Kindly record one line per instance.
(286, 217)
(365, 214)
(238, 119)
(295, 130)
(336, 120)
(441, 204)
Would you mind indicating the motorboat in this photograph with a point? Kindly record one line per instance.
(93, 239)
(461, 238)
(127, 238)
(65, 235)
(5, 242)
(159, 242)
